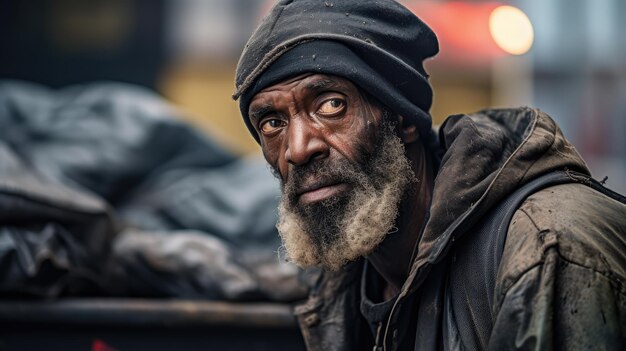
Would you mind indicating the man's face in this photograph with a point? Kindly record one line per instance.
(342, 168)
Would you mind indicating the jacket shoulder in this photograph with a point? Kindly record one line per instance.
(581, 225)
(561, 281)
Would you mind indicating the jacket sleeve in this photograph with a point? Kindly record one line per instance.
(561, 282)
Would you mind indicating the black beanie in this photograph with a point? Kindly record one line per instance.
(378, 45)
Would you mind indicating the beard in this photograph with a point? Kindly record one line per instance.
(344, 227)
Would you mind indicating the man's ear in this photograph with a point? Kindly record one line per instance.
(408, 131)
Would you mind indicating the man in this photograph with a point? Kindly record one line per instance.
(491, 235)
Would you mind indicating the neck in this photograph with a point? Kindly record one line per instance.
(393, 258)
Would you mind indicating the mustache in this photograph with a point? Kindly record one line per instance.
(322, 173)
(358, 172)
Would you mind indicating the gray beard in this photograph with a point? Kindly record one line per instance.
(343, 228)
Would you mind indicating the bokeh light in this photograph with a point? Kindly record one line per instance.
(511, 30)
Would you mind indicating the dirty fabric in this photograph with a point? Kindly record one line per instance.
(561, 278)
(105, 191)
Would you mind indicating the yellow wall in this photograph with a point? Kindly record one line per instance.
(204, 94)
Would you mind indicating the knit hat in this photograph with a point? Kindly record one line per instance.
(378, 45)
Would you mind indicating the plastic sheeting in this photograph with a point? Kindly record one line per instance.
(103, 191)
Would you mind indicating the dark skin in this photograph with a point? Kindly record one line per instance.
(316, 116)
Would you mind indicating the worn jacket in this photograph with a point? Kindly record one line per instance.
(561, 280)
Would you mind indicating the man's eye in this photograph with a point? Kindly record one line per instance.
(271, 125)
(331, 107)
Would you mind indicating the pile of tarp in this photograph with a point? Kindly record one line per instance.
(105, 192)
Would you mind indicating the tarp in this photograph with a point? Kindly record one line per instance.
(105, 191)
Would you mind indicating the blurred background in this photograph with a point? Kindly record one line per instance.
(199, 219)
(567, 57)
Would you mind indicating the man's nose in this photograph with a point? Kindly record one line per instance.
(305, 144)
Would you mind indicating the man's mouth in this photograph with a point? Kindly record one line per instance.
(319, 192)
